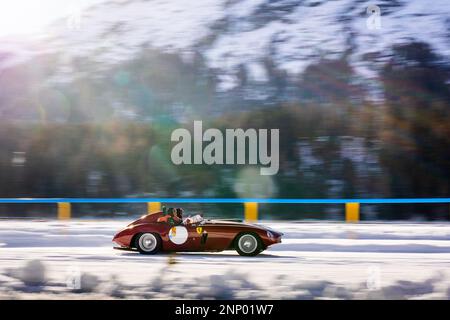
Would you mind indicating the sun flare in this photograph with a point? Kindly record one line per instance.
(28, 17)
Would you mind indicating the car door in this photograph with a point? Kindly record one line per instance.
(195, 232)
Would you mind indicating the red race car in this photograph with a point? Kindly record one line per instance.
(157, 232)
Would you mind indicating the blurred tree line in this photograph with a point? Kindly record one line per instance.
(334, 141)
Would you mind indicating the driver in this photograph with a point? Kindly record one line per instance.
(173, 217)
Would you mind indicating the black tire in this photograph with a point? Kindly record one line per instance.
(248, 244)
(148, 243)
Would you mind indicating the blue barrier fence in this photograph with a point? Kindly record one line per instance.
(352, 206)
(224, 200)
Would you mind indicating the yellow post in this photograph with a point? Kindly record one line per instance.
(251, 211)
(64, 210)
(352, 212)
(153, 207)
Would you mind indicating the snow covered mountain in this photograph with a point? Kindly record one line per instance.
(230, 34)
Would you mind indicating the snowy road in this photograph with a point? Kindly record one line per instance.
(75, 259)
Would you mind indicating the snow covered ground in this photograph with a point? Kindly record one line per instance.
(75, 260)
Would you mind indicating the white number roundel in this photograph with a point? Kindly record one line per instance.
(178, 235)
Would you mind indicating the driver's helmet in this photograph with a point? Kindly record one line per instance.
(172, 217)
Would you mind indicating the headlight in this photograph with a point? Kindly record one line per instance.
(270, 234)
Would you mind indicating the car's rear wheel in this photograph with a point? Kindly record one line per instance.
(248, 244)
(148, 243)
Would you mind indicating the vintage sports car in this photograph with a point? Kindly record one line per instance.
(152, 234)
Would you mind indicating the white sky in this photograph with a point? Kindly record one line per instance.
(28, 17)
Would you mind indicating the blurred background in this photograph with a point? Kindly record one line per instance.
(90, 92)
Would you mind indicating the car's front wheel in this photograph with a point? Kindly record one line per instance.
(248, 244)
(148, 243)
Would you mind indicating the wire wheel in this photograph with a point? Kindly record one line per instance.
(148, 243)
(248, 245)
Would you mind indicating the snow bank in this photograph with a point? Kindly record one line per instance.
(75, 260)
